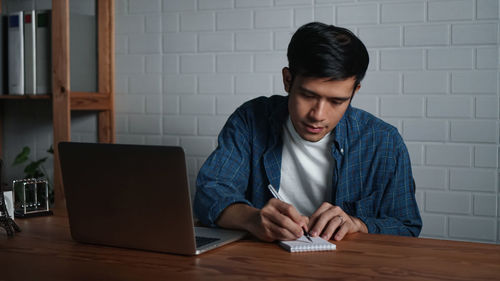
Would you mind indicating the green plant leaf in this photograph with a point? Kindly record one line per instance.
(23, 156)
(33, 168)
(50, 150)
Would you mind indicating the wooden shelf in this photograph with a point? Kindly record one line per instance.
(62, 98)
(24, 97)
(78, 100)
(90, 101)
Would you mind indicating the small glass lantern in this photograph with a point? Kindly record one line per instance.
(31, 197)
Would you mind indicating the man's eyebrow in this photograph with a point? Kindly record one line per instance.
(308, 91)
(340, 98)
(332, 98)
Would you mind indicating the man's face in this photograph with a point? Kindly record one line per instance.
(316, 105)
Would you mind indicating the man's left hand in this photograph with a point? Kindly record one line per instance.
(329, 219)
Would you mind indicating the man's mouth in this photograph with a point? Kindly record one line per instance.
(314, 129)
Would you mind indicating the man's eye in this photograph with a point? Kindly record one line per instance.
(336, 102)
(307, 95)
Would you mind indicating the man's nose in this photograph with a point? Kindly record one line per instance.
(318, 111)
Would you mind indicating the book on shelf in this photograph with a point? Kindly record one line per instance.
(26, 61)
(3, 54)
(15, 46)
(29, 52)
(43, 53)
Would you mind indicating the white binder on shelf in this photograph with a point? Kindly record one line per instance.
(15, 58)
(29, 52)
(43, 53)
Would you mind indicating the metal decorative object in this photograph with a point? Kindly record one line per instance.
(5, 220)
(31, 197)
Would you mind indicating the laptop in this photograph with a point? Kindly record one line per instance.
(133, 196)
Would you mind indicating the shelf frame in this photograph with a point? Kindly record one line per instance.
(63, 100)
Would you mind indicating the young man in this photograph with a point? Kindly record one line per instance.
(339, 169)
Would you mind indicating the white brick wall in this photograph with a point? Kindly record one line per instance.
(433, 74)
(182, 66)
(447, 155)
(381, 83)
(380, 36)
(448, 202)
(425, 82)
(426, 35)
(474, 33)
(403, 12)
(444, 58)
(451, 10)
(451, 107)
(357, 14)
(215, 84)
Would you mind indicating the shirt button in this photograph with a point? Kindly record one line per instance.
(342, 151)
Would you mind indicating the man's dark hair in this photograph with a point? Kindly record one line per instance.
(320, 50)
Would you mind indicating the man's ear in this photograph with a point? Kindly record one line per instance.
(287, 79)
(355, 90)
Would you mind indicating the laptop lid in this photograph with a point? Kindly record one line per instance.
(132, 196)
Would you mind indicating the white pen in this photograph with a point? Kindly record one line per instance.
(277, 196)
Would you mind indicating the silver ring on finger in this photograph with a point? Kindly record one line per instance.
(341, 219)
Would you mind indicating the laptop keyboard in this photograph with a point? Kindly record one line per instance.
(202, 241)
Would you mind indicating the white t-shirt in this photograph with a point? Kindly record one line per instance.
(306, 170)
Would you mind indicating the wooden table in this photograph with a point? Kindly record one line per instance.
(44, 250)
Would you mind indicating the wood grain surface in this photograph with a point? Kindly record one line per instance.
(61, 110)
(44, 250)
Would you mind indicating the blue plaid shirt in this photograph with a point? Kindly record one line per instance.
(372, 180)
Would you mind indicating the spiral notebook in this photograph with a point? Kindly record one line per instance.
(304, 245)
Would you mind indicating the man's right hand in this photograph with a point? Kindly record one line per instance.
(277, 220)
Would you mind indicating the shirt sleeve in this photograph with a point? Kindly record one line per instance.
(397, 211)
(223, 178)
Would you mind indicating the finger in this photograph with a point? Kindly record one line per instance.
(277, 232)
(281, 221)
(344, 229)
(322, 221)
(325, 207)
(286, 223)
(333, 225)
(290, 211)
(305, 224)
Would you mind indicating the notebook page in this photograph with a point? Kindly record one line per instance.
(304, 245)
